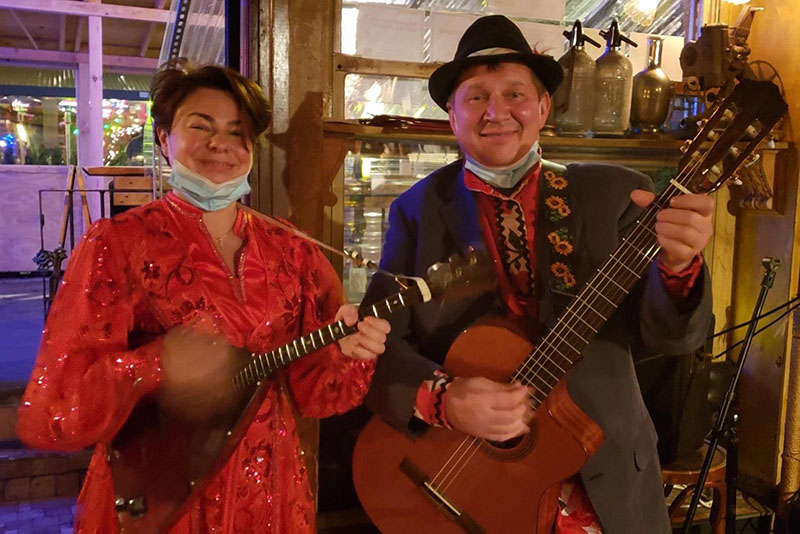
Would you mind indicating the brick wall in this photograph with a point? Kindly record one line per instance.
(28, 475)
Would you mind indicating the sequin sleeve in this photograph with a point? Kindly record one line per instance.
(326, 382)
(86, 380)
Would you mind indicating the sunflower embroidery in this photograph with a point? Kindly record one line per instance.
(560, 241)
(564, 277)
(559, 236)
(569, 280)
(556, 182)
(559, 269)
(558, 207)
(554, 202)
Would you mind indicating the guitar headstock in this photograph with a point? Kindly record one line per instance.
(745, 117)
(470, 273)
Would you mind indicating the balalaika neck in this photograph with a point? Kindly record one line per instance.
(561, 348)
(264, 364)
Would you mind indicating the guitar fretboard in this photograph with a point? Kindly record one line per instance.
(561, 348)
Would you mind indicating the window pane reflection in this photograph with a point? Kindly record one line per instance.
(374, 175)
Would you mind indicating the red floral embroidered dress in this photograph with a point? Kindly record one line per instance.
(140, 274)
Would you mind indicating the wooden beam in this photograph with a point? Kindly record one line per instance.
(149, 34)
(62, 33)
(364, 65)
(79, 34)
(24, 29)
(73, 7)
(26, 55)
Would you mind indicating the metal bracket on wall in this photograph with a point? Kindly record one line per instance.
(176, 39)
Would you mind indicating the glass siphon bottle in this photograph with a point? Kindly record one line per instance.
(613, 86)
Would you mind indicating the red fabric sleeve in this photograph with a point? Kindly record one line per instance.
(429, 404)
(679, 284)
(325, 382)
(86, 380)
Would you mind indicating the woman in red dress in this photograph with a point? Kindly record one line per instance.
(196, 261)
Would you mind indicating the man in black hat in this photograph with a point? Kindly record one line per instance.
(547, 228)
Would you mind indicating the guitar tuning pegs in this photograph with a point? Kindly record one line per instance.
(751, 160)
(685, 146)
(735, 180)
(702, 123)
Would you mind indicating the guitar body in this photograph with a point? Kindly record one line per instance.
(508, 488)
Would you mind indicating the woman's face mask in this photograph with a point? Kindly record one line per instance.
(204, 193)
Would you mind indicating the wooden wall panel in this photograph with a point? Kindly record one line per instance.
(763, 385)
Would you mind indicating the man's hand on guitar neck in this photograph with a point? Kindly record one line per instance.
(488, 409)
(683, 228)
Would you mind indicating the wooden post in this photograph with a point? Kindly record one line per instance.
(292, 49)
(90, 109)
(293, 65)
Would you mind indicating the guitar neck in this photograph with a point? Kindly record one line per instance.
(561, 348)
(263, 364)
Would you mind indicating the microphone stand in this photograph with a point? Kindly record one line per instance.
(771, 266)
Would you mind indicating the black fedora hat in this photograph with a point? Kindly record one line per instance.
(493, 38)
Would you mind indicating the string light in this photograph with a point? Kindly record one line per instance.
(643, 12)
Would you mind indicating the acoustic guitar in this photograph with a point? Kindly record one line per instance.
(160, 464)
(448, 482)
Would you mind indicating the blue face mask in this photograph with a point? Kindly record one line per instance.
(202, 192)
(506, 177)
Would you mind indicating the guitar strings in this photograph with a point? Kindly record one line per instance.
(460, 458)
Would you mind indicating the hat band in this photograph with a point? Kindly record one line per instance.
(494, 52)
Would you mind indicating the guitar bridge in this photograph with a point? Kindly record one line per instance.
(420, 479)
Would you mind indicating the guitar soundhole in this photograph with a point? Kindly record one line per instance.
(512, 449)
(508, 444)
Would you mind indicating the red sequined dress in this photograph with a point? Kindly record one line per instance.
(135, 277)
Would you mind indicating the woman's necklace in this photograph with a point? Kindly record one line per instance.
(223, 236)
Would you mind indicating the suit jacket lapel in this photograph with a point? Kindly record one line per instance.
(460, 215)
(554, 294)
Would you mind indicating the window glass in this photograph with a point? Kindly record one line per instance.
(44, 131)
(368, 95)
(429, 29)
(375, 173)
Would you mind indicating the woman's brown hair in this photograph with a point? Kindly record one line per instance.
(177, 80)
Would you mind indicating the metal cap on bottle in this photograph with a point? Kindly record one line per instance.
(613, 36)
(577, 38)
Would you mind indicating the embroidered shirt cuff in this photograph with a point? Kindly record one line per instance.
(678, 284)
(430, 401)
